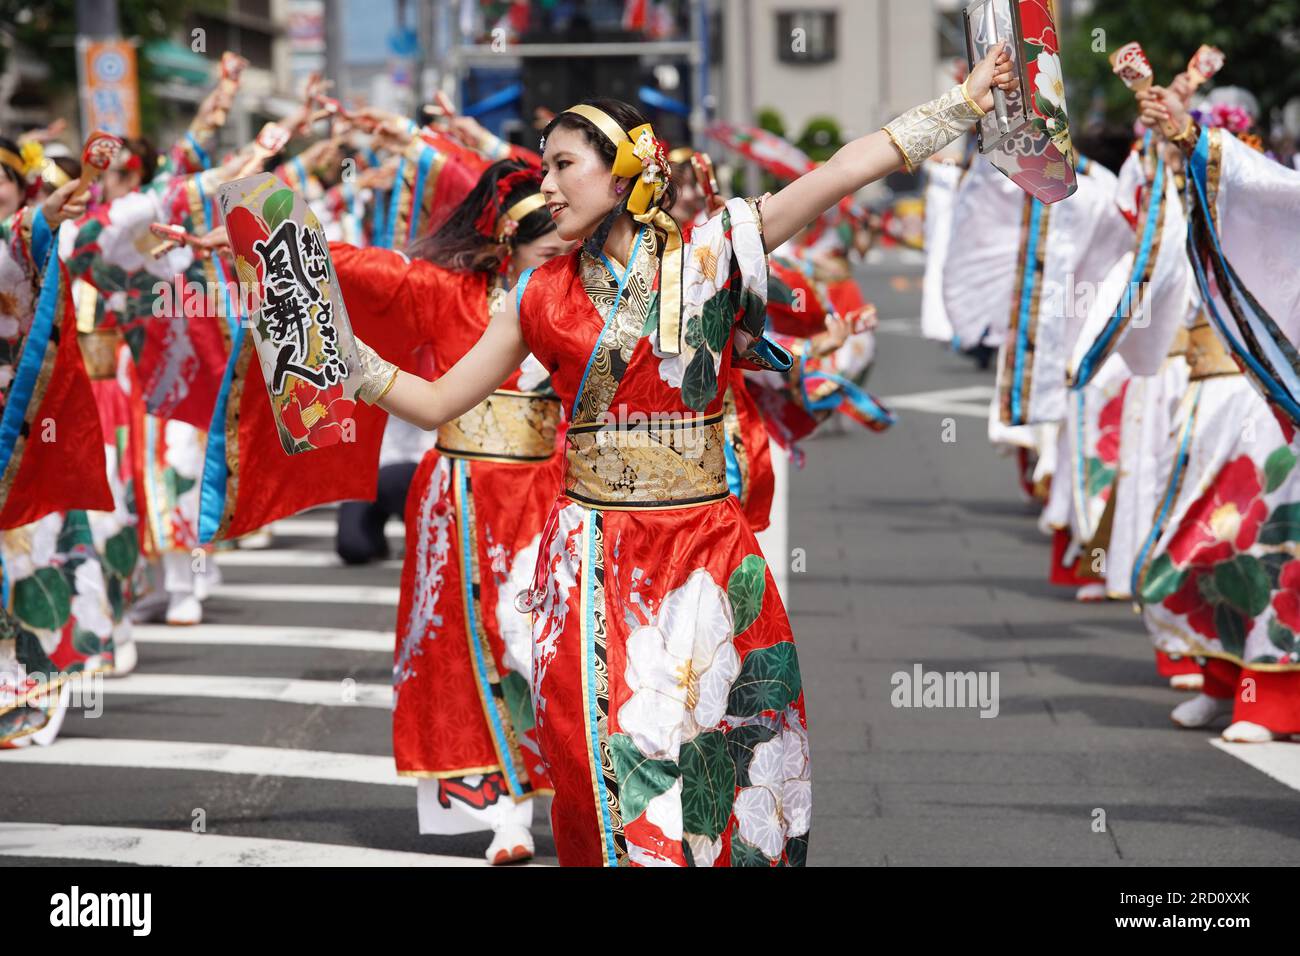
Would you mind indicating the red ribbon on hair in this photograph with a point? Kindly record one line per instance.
(486, 224)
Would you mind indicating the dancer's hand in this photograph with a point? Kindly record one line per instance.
(992, 72)
(836, 334)
(62, 205)
(211, 242)
(1161, 108)
(46, 133)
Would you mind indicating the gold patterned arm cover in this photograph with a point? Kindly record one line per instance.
(921, 132)
(377, 374)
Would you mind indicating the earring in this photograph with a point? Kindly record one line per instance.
(620, 187)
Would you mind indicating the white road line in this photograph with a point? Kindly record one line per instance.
(968, 402)
(910, 327)
(973, 393)
(319, 528)
(1279, 759)
(123, 753)
(320, 693)
(289, 558)
(148, 847)
(267, 635)
(309, 593)
(941, 408)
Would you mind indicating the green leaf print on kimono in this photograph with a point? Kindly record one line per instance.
(640, 779)
(745, 591)
(43, 599)
(121, 552)
(724, 269)
(1278, 466)
(769, 680)
(709, 784)
(1282, 526)
(700, 384)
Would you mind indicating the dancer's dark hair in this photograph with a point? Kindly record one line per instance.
(460, 246)
(14, 176)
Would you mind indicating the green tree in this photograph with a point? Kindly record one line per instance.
(821, 138)
(48, 28)
(1261, 39)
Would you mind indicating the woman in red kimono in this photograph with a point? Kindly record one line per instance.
(670, 710)
(463, 717)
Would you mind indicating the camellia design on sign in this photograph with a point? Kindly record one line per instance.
(1034, 150)
(301, 332)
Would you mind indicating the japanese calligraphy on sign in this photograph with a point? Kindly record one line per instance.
(301, 334)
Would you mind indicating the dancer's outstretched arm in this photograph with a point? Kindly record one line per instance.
(923, 130)
(478, 373)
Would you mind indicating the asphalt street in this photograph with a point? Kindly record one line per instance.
(268, 728)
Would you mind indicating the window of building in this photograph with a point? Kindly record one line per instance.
(805, 36)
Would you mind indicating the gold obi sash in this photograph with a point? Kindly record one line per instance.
(505, 426)
(1206, 355)
(99, 352)
(1180, 343)
(644, 465)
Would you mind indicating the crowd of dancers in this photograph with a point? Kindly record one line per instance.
(571, 366)
(1145, 333)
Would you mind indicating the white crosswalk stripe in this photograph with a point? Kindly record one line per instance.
(287, 558)
(309, 593)
(971, 402)
(342, 610)
(1279, 759)
(145, 847)
(210, 758)
(322, 693)
(267, 635)
(320, 527)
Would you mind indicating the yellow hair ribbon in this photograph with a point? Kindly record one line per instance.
(640, 155)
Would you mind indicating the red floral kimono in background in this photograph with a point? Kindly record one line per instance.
(61, 568)
(669, 704)
(463, 713)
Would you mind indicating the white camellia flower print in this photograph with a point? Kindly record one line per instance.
(665, 811)
(17, 303)
(90, 603)
(704, 263)
(32, 546)
(1050, 83)
(531, 373)
(778, 804)
(680, 668)
(703, 850)
(516, 628)
(184, 450)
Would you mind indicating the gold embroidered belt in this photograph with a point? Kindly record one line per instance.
(635, 465)
(1206, 355)
(505, 426)
(1179, 346)
(99, 352)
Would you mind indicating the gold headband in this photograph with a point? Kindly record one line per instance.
(525, 206)
(508, 221)
(15, 162)
(602, 121)
(638, 154)
(53, 175)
